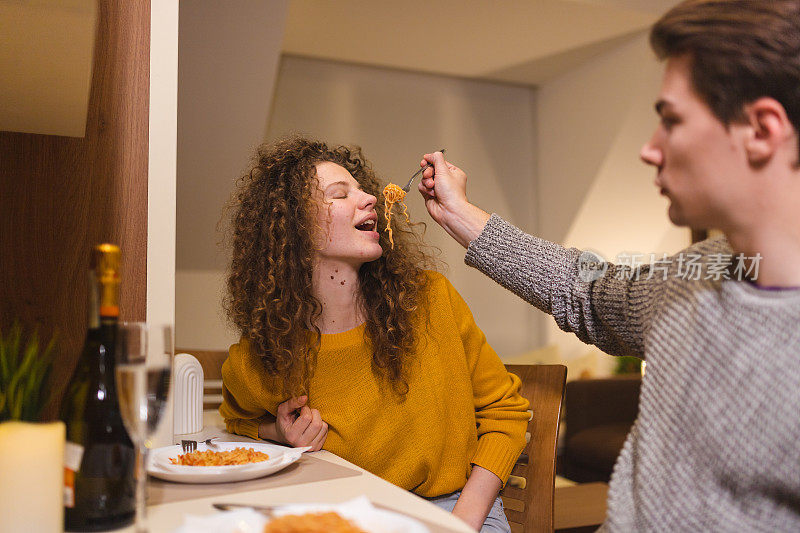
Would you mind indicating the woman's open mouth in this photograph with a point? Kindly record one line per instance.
(367, 225)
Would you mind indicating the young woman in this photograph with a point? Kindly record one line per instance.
(349, 345)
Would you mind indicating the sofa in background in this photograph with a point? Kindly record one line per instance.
(598, 416)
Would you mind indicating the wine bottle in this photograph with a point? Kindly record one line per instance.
(99, 460)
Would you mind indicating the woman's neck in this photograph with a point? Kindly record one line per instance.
(336, 286)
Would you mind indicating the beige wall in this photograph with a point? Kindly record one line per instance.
(199, 320)
(397, 116)
(227, 67)
(594, 191)
(228, 60)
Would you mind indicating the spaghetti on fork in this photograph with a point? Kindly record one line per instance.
(393, 194)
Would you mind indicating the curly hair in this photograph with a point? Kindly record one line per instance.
(270, 299)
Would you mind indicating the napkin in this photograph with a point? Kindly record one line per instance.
(239, 521)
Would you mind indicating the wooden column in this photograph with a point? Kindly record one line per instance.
(61, 195)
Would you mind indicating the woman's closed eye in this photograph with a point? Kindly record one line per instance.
(338, 192)
(342, 194)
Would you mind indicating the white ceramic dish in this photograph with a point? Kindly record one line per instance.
(359, 510)
(158, 464)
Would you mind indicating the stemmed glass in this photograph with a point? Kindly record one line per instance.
(143, 367)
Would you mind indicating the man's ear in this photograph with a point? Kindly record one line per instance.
(769, 129)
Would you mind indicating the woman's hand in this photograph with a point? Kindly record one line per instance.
(298, 425)
(444, 189)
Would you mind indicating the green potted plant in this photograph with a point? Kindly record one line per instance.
(628, 365)
(24, 369)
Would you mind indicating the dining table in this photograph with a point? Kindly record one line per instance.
(317, 477)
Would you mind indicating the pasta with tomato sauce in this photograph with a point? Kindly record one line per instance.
(329, 522)
(237, 456)
(393, 194)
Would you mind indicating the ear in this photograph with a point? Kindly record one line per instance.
(769, 128)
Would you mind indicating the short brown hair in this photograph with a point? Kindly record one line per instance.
(741, 50)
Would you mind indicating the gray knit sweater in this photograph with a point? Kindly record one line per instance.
(716, 446)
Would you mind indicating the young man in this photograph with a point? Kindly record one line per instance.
(716, 444)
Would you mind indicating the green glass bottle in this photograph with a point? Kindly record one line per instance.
(99, 459)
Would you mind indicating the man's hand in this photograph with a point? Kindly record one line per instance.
(447, 192)
(298, 425)
(444, 189)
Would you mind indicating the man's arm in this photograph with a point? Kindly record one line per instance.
(610, 311)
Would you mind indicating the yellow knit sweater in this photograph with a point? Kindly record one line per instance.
(462, 408)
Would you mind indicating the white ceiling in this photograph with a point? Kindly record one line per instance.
(517, 41)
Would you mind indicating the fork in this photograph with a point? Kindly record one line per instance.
(267, 510)
(191, 445)
(417, 173)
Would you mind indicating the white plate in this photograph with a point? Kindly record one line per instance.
(280, 457)
(359, 510)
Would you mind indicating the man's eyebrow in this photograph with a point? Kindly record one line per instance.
(660, 105)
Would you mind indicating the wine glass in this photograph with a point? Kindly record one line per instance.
(143, 367)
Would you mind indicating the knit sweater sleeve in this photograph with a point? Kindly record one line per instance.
(247, 394)
(500, 411)
(611, 312)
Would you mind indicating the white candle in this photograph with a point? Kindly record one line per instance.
(32, 476)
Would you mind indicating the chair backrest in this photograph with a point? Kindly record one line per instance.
(211, 361)
(528, 495)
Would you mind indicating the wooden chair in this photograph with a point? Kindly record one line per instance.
(211, 361)
(528, 495)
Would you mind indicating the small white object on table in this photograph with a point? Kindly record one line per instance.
(187, 382)
(167, 517)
